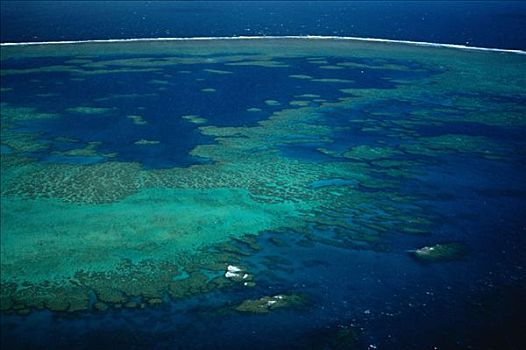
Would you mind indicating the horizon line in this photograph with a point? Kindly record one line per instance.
(315, 37)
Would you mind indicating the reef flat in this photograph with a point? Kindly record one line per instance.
(137, 173)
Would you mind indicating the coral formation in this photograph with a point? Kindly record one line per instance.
(217, 71)
(440, 252)
(137, 119)
(194, 119)
(267, 304)
(136, 237)
(146, 142)
(88, 110)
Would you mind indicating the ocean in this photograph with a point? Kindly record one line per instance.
(256, 176)
(498, 24)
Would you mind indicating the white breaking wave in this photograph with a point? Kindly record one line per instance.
(312, 37)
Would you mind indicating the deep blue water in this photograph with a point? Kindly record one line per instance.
(234, 94)
(500, 24)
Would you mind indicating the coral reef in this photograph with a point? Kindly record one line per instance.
(217, 71)
(440, 252)
(88, 110)
(135, 237)
(137, 119)
(367, 153)
(146, 142)
(194, 119)
(267, 304)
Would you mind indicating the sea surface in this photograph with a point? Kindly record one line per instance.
(477, 23)
(261, 193)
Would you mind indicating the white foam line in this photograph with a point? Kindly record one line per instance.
(316, 37)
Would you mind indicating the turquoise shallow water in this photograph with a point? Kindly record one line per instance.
(270, 193)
